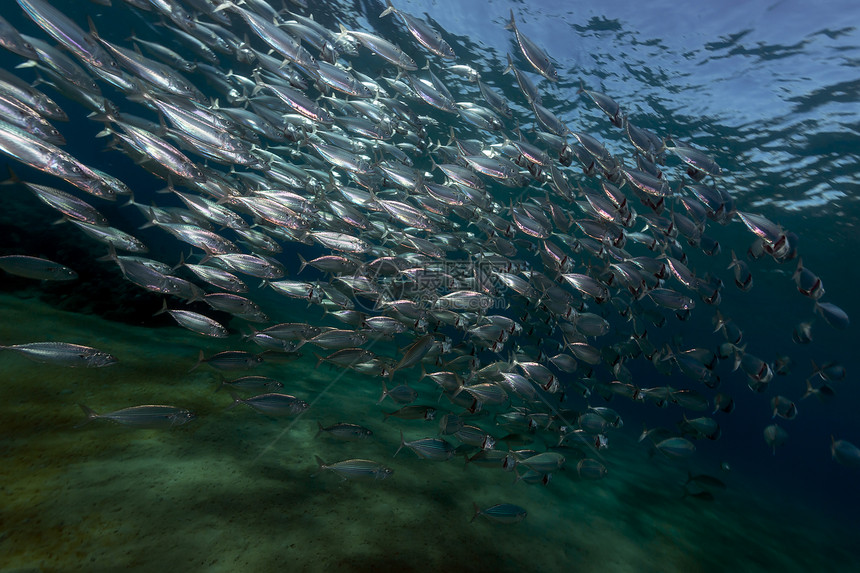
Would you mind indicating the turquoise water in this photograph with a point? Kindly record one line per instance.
(770, 91)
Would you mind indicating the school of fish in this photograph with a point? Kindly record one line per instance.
(523, 274)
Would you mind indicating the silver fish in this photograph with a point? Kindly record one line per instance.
(66, 32)
(356, 469)
(196, 322)
(382, 48)
(145, 417)
(506, 513)
(36, 268)
(272, 404)
(433, 449)
(345, 431)
(63, 354)
(534, 54)
(426, 35)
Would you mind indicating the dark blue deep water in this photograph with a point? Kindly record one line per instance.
(771, 90)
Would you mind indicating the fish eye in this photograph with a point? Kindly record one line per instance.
(29, 46)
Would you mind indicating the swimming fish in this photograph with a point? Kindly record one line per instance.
(534, 54)
(506, 513)
(147, 417)
(36, 268)
(63, 354)
(356, 469)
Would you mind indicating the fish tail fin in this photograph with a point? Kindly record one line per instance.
(343, 32)
(512, 24)
(320, 430)
(320, 463)
(236, 401)
(200, 359)
(581, 87)
(816, 370)
(734, 262)
(388, 10)
(384, 393)
(477, 512)
(93, 32)
(810, 390)
(181, 261)
(402, 443)
(13, 177)
(224, 6)
(303, 264)
(644, 433)
(798, 270)
(163, 308)
(90, 413)
(510, 65)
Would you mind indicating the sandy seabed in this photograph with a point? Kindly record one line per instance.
(237, 491)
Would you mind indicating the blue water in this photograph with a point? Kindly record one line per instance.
(770, 90)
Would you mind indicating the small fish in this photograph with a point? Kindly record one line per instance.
(845, 453)
(251, 383)
(608, 105)
(808, 284)
(273, 404)
(382, 48)
(802, 333)
(415, 352)
(413, 412)
(36, 268)
(357, 469)
(591, 469)
(63, 354)
(229, 360)
(12, 41)
(743, 276)
(545, 462)
(345, 431)
(534, 54)
(775, 436)
(148, 416)
(434, 449)
(832, 315)
(401, 394)
(426, 35)
(823, 392)
(783, 407)
(506, 513)
(196, 322)
(831, 371)
(676, 447)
